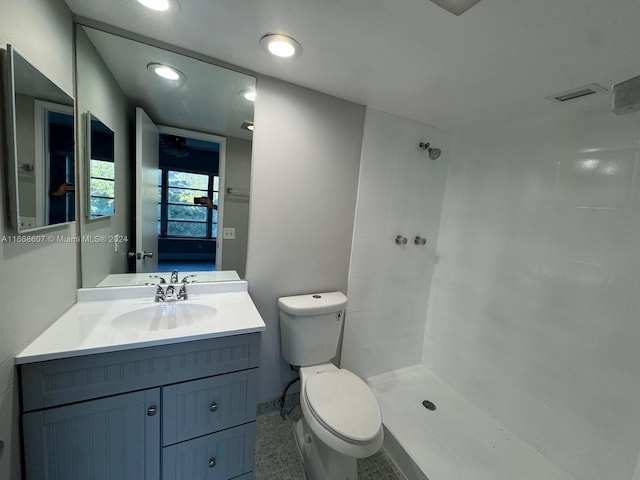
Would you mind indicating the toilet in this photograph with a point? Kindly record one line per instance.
(341, 419)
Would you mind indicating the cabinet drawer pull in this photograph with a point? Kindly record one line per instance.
(213, 407)
(212, 462)
(152, 410)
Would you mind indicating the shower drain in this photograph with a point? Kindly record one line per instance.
(428, 405)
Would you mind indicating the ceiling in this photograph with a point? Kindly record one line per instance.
(410, 58)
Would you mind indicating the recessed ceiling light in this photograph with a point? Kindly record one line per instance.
(157, 5)
(249, 94)
(161, 5)
(246, 125)
(457, 7)
(165, 71)
(280, 46)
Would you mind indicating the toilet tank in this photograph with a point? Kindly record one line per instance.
(310, 327)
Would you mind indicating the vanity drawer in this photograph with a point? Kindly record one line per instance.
(204, 406)
(219, 456)
(56, 382)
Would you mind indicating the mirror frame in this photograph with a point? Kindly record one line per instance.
(12, 141)
(88, 147)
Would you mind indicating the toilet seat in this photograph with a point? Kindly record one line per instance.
(344, 405)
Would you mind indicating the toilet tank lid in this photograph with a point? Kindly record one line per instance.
(312, 303)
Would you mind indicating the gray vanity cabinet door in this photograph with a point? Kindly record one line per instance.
(114, 438)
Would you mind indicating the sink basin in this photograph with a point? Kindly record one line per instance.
(164, 316)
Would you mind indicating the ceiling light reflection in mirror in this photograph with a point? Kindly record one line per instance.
(165, 71)
(248, 95)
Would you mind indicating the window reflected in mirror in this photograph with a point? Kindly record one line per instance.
(182, 213)
(101, 168)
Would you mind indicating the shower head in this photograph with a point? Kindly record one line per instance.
(433, 153)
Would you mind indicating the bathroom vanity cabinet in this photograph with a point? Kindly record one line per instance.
(174, 412)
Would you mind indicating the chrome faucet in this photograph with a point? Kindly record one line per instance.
(169, 292)
(174, 276)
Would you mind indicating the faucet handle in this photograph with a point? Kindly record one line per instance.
(192, 276)
(161, 294)
(182, 293)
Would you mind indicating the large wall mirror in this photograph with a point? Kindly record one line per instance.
(40, 134)
(179, 175)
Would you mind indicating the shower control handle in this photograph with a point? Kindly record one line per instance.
(400, 240)
(419, 240)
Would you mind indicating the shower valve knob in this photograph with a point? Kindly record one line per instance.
(400, 240)
(419, 240)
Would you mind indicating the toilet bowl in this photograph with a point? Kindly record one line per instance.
(341, 422)
(341, 419)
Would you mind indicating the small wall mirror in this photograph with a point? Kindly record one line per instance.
(40, 138)
(100, 167)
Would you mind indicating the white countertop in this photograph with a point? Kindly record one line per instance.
(86, 328)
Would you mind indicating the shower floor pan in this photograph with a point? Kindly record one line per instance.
(457, 441)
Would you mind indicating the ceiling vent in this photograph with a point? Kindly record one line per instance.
(576, 93)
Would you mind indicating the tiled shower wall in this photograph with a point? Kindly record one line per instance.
(400, 192)
(534, 305)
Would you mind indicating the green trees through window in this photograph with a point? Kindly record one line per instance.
(102, 184)
(179, 215)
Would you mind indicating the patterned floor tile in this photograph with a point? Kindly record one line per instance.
(277, 456)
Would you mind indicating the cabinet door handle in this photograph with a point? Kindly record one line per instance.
(213, 407)
(212, 462)
(152, 410)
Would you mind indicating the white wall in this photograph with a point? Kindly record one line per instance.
(100, 94)
(399, 193)
(38, 282)
(25, 143)
(306, 152)
(236, 207)
(534, 304)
